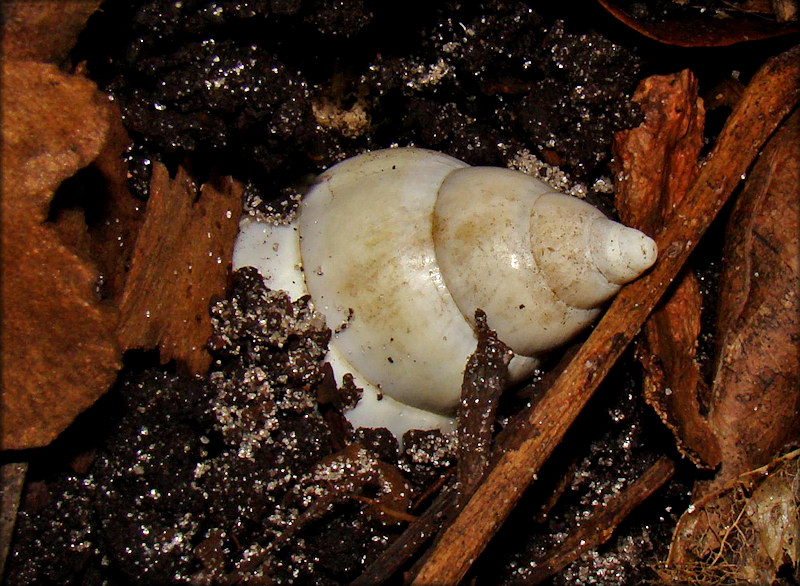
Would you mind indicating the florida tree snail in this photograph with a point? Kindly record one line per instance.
(400, 246)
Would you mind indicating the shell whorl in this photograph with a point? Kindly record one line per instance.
(539, 263)
(353, 224)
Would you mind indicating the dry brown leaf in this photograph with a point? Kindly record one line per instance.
(43, 31)
(755, 406)
(58, 348)
(742, 534)
(655, 164)
(673, 384)
(706, 29)
(97, 216)
(180, 265)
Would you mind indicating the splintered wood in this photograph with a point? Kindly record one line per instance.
(180, 264)
(770, 96)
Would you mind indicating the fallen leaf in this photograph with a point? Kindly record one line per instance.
(57, 344)
(708, 29)
(97, 216)
(655, 164)
(43, 31)
(755, 407)
(180, 264)
(673, 384)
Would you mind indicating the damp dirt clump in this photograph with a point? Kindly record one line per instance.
(273, 92)
(217, 479)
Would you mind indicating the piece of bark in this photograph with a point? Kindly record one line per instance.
(772, 94)
(655, 164)
(600, 525)
(180, 264)
(43, 31)
(755, 407)
(57, 344)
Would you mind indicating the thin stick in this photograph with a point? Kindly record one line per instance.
(12, 480)
(413, 538)
(771, 95)
(598, 528)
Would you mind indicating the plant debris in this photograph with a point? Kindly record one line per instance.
(655, 165)
(485, 377)
(58, 348)
(746, 532)
(180, 263)
(706, 23)
(33, 31)
(771, 95)
(599, 526)
(755, 404)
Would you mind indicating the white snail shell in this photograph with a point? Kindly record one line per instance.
(402, 245)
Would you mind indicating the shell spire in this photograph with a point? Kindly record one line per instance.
(620, 253)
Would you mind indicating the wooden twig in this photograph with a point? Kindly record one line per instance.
(485, 378)
(413, 538)
(770, 96)
(598, 528)
(12, 479)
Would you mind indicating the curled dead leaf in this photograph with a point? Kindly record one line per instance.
(655, 165)
(57, 344)
(755, 407)
(708, 28)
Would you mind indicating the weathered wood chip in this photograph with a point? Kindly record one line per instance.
(180, 264)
